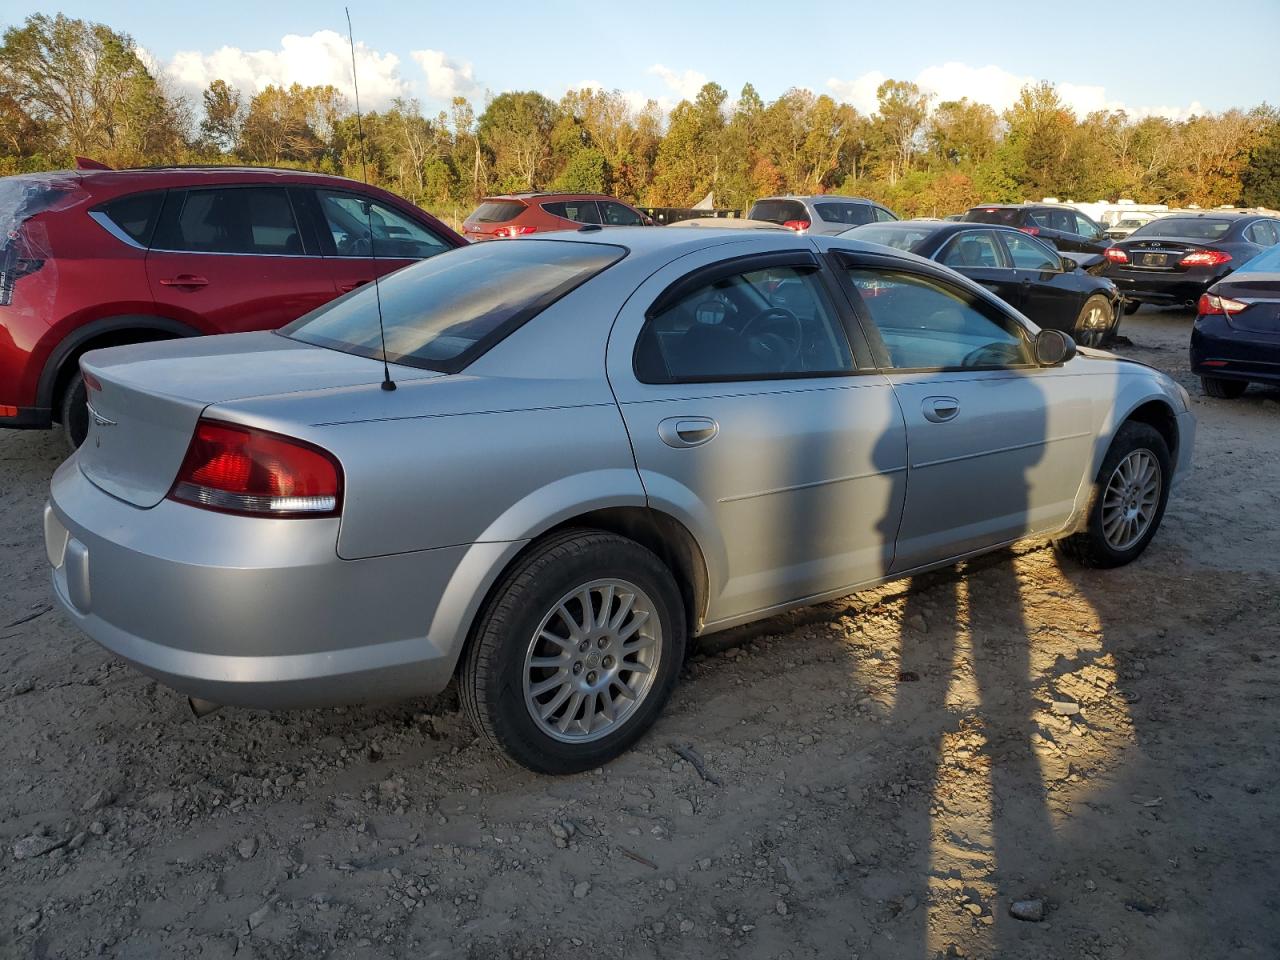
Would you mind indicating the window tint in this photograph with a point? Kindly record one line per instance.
(925, 324)
(854, 214)
(232, 220)
(365, 228)
(778, 211)
(442, 313)
(136, 215)
(1263, 232)
(1008, 216)
(1190, 228)
(975, 248)
(773, 322)
(1028, 253)
(498, 211)
(579, 211)
(884, 216)
(898, 236)
(617, 215)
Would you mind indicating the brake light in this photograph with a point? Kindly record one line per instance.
(796, 225)
(1204, 258)
(1033, 231)
(13, 265)
(514, 230)
(251, 472)
(1212, 305)
(1116, 255)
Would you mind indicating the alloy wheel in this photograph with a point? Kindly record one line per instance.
(1093, 326)
(1131, 498)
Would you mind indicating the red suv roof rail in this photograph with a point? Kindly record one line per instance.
(86, 163)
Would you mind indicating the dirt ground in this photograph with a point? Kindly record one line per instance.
(884, 775)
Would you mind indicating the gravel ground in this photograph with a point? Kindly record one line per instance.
(892, 775)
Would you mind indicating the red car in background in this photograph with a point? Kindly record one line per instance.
(96, 257)
(520, 214)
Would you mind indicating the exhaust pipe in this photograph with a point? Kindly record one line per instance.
(202, 708)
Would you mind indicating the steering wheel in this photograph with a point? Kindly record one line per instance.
(993, 355)
(778, 339)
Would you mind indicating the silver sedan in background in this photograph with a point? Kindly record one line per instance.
(598, 446)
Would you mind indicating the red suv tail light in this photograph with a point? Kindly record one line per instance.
(1204, 258)
(1116, 255)
(515, 230)
(251, 472)
(1211, 305)
(796, 225)
(1033, 231)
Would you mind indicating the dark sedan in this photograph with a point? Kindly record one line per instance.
(1236, 337)
(1173, 260)
(1055, 290)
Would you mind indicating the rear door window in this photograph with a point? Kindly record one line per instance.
(1028, 253)
(135, 215)
(974, 248)
(884, 216)
(854, 214)
(245, 220)
(1263, 232)
(778, 211)
(579, 211)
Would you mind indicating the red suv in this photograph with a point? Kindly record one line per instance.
(524, 213)
(94, 258)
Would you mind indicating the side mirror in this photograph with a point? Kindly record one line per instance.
(1053, 347)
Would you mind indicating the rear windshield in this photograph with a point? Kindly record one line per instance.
(497, 211)
(442, 313)
(850, 213)
(901, 237)
(1192, 228)
(778, 211)
(1008, 216)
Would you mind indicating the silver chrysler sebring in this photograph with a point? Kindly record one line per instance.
(581, 452)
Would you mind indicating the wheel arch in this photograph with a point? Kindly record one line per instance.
(1157, 413)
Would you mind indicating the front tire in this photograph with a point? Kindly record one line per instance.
(1128, 500)
(575, 653)
(1094, 322)
(1224, 389)
(74, 410)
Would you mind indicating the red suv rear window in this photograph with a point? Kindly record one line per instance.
(498, 211)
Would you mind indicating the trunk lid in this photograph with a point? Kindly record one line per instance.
(145, 399)
(1261, 293)
(1158, 255)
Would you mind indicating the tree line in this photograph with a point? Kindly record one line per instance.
(73, 88)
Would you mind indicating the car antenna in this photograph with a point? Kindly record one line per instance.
(387, 382)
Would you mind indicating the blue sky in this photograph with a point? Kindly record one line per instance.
(1132, 55)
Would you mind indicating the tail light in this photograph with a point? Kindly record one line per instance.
(1116, 255)
(1204, 258)
(1212, 305)
(796, 225)
(251, 472)
(514, 230)
(1032, 231)
(14, 264)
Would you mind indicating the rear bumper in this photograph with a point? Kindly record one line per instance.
(1220, 350)
(248, 611)
(1162, 288)
(27, 418)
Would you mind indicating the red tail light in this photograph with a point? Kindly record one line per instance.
(1116, 255)
(251, 472)
(514, 230)
(1212, 305)
(1034, 231)
(1204, 258)
(796, 225)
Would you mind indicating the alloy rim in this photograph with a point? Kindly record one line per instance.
(1094, 326)
(1130, 500)
(592, 660)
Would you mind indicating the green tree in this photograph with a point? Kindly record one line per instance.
(223, 114)
(515, 129)
(1260, 178)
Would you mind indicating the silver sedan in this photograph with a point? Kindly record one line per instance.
(582, 452)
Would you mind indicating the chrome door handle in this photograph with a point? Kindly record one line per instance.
(940, 409)
(687, 431)
(184, 280)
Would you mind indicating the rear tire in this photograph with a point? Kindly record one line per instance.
(1131, 307)
(74, 410)
(1224, 389)
(535, 685)
(1108, 540)
(1094, 323)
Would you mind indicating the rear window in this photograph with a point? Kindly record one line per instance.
(444, 312)
(853, 214)
(1192, 228)
(778, 211)
(903, 237)
(1002, 215)
(245, 220)
(135, 215)
(498, 211)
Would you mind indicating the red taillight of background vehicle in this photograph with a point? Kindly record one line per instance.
(1116, 255)
(1212, 305)
(1204, 258)
(514, 230)
(251, 472)
(796, 225)
(1033, 231)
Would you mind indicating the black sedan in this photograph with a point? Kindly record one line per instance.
(1236, 337)
(1055, 290)
(1173, 260)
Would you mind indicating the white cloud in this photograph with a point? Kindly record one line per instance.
(998, 88)
(684, 83)
(322, 58)
(447, 78)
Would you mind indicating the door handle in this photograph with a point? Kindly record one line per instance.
(940, 409)
(348, 287)
(184, 280)
(687, 431)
